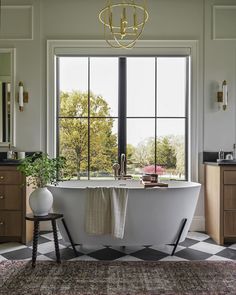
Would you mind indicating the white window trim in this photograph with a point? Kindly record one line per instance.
(98, 47)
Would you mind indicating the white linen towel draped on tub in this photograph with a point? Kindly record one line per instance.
(106, 211)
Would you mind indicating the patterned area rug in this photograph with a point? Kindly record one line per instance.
(89, 277)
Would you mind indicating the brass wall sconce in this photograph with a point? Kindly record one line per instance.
(23, 97)
(222, 96)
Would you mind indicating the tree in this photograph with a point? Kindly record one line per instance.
(165, 153)
(145, 153)
(77, 134)
(178, 144)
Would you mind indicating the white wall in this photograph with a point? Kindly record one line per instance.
(169, 20)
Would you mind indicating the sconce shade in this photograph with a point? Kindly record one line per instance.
(123, 22)
(222, 96)
(21, 96)
(225, 94)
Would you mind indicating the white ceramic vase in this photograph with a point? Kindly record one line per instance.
(40, 201)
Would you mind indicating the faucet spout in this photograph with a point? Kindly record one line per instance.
(122, 164)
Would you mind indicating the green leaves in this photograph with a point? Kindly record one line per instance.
(41, 170)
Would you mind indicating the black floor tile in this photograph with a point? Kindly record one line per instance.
(18, 254)
(106, 254)
(210, 241)
(66, 254)
(41, 240)
(188, 242)
(227, 253)
(191, 254)
(149, 254)
(44, 232)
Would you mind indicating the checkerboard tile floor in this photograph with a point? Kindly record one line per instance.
(197, 246)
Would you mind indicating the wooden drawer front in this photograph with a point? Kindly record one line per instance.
(230, 223)
(10, 177)
(10, 197)
(10, 223)
(229, 177)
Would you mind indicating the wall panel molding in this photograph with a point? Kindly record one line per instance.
(17, 22)
(224, 22)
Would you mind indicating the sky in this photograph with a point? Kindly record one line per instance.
(170, 81)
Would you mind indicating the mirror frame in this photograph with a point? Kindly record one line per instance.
(12, 51)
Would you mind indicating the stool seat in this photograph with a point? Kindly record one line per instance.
(50, 217)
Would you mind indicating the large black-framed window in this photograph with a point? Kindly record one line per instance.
(149, 121)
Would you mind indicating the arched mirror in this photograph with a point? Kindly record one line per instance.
(7, 107)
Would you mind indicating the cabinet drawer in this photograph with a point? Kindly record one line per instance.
(10, 177)
(10, 223)
(229, 177)
(230, 223)
(10, 197)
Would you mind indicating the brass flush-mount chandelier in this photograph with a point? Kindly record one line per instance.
(123, 22)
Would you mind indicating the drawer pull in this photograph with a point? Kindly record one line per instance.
(1, 197)
(1, 223)
(1, 177)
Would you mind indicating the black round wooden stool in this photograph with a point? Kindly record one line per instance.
(50, 217)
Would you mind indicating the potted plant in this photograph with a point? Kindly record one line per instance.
(40, 171)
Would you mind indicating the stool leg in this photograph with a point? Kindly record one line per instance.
(54, 227)
(70, 238)
(35, 242)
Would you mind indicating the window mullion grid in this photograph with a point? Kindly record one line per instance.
(57, 106)
(155, 162)
(122, 108)
(89, 118)
(187, 121)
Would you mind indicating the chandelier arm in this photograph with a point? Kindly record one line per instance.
(105, 16)
(102, 20)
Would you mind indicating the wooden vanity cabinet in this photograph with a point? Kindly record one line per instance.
(13, 206)
(220, 202)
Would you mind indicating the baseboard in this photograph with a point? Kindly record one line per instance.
(198, 223)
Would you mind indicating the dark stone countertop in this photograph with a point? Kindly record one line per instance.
(5, 162)
(220, 163)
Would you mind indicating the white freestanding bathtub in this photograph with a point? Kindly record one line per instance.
(154, 215)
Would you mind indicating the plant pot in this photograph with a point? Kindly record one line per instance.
(40, 201)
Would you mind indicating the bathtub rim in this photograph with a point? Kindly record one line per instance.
(191, 184)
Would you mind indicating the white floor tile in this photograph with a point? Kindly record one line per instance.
(128, 258)
(84, 258)
(207, 247)
(215, 257)
(48, 247)
(43, 257)
(197, 236)
(166, 248)
(50, 236)
(173, 258)
(8, 247)
(232, 247)
(2, 258)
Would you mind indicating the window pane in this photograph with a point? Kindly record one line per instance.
(103, 147)
(104, 84)
(171, 148)
(140, 86)
(73, 145)
(73, 86)
(171, 86)
(140, 145)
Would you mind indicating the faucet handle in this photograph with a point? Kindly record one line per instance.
(116, 166)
